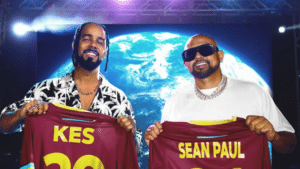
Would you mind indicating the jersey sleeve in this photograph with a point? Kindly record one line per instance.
(27, 158)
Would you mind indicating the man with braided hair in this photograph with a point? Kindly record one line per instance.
(84, 88)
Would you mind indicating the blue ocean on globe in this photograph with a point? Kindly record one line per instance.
(149, 68)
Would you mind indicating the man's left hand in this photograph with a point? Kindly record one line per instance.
(127, 123)
(260, 125)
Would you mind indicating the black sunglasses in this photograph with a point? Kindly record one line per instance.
(204, 50)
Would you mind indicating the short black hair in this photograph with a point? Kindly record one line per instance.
(77, 38)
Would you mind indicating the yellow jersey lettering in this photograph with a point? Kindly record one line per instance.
(201, 168)
(224, 151)
(74, 132)
(196, 151)
(58, 158)
(86, 133)
(232, 151)
(188, 150)
(64, 162)
(240, 155)
(59, 133)
(205, 149)
(216, 148)
(180, 145)
(88, 161)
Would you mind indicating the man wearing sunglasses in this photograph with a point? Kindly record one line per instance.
(217, 97)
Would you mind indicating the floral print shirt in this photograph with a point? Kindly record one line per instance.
(109, 100)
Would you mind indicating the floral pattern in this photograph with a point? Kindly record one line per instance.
(109, 100)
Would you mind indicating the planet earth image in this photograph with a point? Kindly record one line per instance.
(149, 68)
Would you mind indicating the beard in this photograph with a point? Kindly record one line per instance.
(88, 64)
(205, 74)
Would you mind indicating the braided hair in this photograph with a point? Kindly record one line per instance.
(77, 38)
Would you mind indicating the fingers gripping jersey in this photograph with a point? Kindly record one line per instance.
(67, 139)
(228, 146)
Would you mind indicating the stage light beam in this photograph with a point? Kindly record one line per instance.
(282, 29)
(21, 29)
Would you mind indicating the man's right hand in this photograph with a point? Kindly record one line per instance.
(152, 132)
(10, 121)
(24, 111)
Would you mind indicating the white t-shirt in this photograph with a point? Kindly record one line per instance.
(239, 98)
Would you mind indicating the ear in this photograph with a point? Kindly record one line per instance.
(73, 46)
(185, 64)
(221, 55)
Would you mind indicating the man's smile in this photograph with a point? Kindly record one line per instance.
(201, 65)
(91, 53)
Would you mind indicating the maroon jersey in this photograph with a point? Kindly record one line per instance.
(68, 139)
(228, 146)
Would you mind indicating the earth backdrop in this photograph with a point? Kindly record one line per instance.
(148, 67)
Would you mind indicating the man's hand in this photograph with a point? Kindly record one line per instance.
(8, 122)
(152, 132)
(260, 125)
(25, 110)
(283, 142)
(127, 123)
